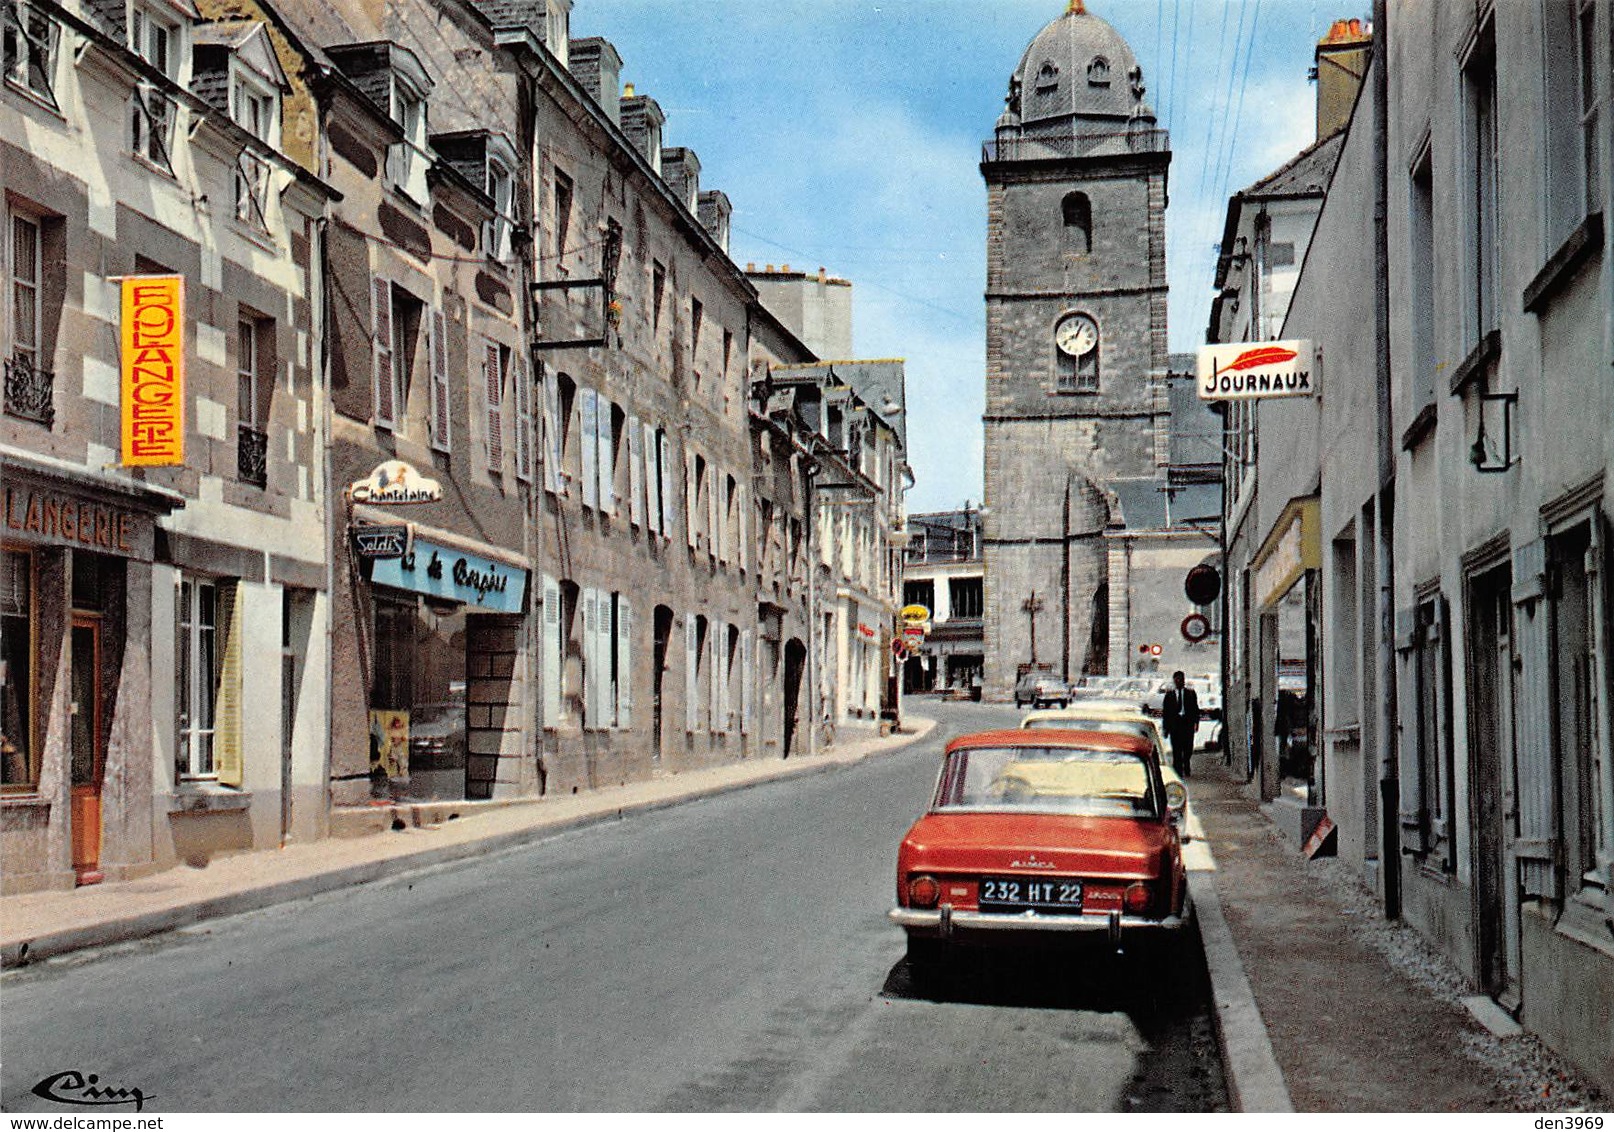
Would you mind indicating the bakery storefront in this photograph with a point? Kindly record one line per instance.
(76, 772)
(446, 643)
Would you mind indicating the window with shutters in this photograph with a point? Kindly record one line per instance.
(658, 290)
(663, 506)
(442, 418)
(501, 190)
(571, 650)
(495, 360)
(622, 659)
(697, 320)
(694, 648)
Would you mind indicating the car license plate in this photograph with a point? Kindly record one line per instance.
(1020, 894)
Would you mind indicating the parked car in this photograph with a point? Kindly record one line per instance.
(1119, 716)
(1040, 835)
(1041, 689)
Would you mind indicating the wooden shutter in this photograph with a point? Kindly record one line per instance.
(745, 529)
(591, 676)
(228, 732)
(713, 490)
(1413, 818)
(747, 680)
(588, 442)
(717, 651)
(552, 447)
(493, 374)
(382, 380)
(691, 670)
(551, 653)
(605, 656)
(523, 419)
(664, 485)
(691, 499)
(624, 662)
(442, 418)
(635, 473)
(1536, 846)
(652, 480)
(607, 456)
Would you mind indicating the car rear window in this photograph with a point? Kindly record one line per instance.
(1060, 780)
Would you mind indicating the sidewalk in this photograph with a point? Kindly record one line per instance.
(40, 924)
(1351, 1014)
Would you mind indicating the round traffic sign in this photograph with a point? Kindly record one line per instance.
(1195, 628)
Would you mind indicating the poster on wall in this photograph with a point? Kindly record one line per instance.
(389, 744)
(152, 333)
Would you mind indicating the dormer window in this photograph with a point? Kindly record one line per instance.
(1098, 72)
(159, 40)
(29, 56)
(255, 88)
(1047, 77)
(501, 183)
(407, 161)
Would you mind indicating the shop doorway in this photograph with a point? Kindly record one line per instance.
(1490, 691)
(658, 674)
(88, 751)
(795, 664)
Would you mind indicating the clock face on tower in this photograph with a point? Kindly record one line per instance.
(1076, 335)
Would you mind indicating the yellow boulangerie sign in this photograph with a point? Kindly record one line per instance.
(153, 337)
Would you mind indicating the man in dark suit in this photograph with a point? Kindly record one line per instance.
(1179, 715)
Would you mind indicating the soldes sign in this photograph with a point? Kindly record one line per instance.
(1241, 371)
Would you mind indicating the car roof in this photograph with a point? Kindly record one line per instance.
(1030, 737)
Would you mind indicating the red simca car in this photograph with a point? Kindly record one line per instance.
(1039, 832)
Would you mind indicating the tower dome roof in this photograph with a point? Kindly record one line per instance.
(1078, 67)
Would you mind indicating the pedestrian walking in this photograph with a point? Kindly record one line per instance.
(1180, 717)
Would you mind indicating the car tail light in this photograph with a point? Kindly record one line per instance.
(1137, 897)
(923, 892)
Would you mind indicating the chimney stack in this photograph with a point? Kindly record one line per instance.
(1342, 58)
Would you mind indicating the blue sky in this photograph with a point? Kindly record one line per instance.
(847, 134)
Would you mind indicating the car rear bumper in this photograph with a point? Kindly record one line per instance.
(948, 923)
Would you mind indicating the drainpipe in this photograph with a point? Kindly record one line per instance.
(1388, 714)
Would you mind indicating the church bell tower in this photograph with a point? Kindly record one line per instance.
(1075, 344)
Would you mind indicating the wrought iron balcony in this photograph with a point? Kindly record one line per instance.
(252, 456)
(30, 391)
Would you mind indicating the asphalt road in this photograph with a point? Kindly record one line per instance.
(729, 954)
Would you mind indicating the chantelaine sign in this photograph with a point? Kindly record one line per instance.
(153, 340)
(395, 482)
(1243, 371)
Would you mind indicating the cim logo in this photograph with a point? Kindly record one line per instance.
(1244, 370)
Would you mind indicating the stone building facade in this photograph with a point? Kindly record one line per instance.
(165, 621)
(482, 494)
(1448, 489)
(1075, 348)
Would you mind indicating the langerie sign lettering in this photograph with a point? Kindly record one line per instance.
(153, 339)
